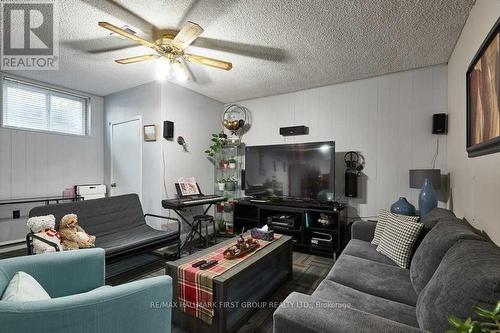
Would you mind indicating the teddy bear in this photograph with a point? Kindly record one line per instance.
(44, 227)
(72, 235)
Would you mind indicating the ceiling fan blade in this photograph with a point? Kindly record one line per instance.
(130, 36)
(189, 32)
(208, 61)
(132, 60)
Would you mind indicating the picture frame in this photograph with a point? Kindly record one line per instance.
(483, 97)
(149, 133)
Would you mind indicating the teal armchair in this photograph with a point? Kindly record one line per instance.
(80, 301)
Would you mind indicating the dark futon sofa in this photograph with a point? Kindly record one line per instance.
(453, 268)
(119, 225)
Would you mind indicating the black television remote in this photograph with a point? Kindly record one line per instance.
(209, 264)
(198, 263)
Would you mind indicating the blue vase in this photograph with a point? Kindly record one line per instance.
(427, 200)
(403, 207)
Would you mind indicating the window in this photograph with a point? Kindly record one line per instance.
(30, 106)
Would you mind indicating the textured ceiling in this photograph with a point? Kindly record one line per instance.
(276, 46)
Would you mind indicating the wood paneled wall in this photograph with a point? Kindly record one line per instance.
(387, 118)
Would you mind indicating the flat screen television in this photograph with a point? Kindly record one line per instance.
(298, 171)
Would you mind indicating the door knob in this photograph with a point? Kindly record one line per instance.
(113, 184)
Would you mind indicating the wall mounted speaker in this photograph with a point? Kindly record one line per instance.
(294, 130)
(440, 123)
(168, 130)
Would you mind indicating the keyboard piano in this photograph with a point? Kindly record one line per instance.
(192, 201)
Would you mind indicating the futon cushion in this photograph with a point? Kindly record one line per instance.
(366, 250)
(24, 288)
(132, 238)
(434, 246)
(468, 275)
(383, 217)
(99, 216)
(398, 240)
(378, 279)
(339, 294)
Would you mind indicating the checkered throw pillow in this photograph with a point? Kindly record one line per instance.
(398, 239)
(383, 217)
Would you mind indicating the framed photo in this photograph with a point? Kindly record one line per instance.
(149, 133)
(483, 97)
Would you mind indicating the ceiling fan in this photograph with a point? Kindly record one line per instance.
(169, 45)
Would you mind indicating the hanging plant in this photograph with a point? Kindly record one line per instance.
(218, 141)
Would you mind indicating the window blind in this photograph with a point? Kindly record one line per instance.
(34, 107)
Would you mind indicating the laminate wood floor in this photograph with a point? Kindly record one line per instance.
(308, 271)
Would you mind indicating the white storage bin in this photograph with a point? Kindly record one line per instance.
(89, 192)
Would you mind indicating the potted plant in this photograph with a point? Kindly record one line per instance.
(223, 164)
(231, 183)
(232, 163)
(221, 226)
(221, 183)
(218, 141)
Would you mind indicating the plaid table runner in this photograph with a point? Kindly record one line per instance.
(195, 287)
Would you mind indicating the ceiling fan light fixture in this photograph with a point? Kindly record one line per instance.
(163, 69)
(170, 46)
(179, 71)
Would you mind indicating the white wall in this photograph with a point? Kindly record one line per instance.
(143, 100)
(195, 117)
(34, 164)
(475, 182)
(387, 118)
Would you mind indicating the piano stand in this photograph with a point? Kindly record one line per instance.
(178, 207)
(195, 229)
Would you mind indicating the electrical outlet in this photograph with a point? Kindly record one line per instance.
(16, 214)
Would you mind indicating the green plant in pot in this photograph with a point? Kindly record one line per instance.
(232, 163)
(221, 226)
(223, 164)
(218, 141)
(489, 321)
(231, 183)
(221, 184)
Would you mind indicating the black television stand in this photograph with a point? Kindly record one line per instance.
(252, 213)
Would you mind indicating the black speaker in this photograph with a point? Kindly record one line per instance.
(294, 130)
(168, 130)
(242, 179)
(440, 123)
(351, 184)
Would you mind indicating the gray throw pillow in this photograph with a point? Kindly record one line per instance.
(468, 275)
(434, 246)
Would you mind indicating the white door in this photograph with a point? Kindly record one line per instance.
(126, 157)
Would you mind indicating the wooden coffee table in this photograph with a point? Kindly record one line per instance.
(238, 292)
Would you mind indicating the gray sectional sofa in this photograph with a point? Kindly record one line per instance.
(453, 268)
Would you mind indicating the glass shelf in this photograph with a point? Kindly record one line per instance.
(224, 172)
